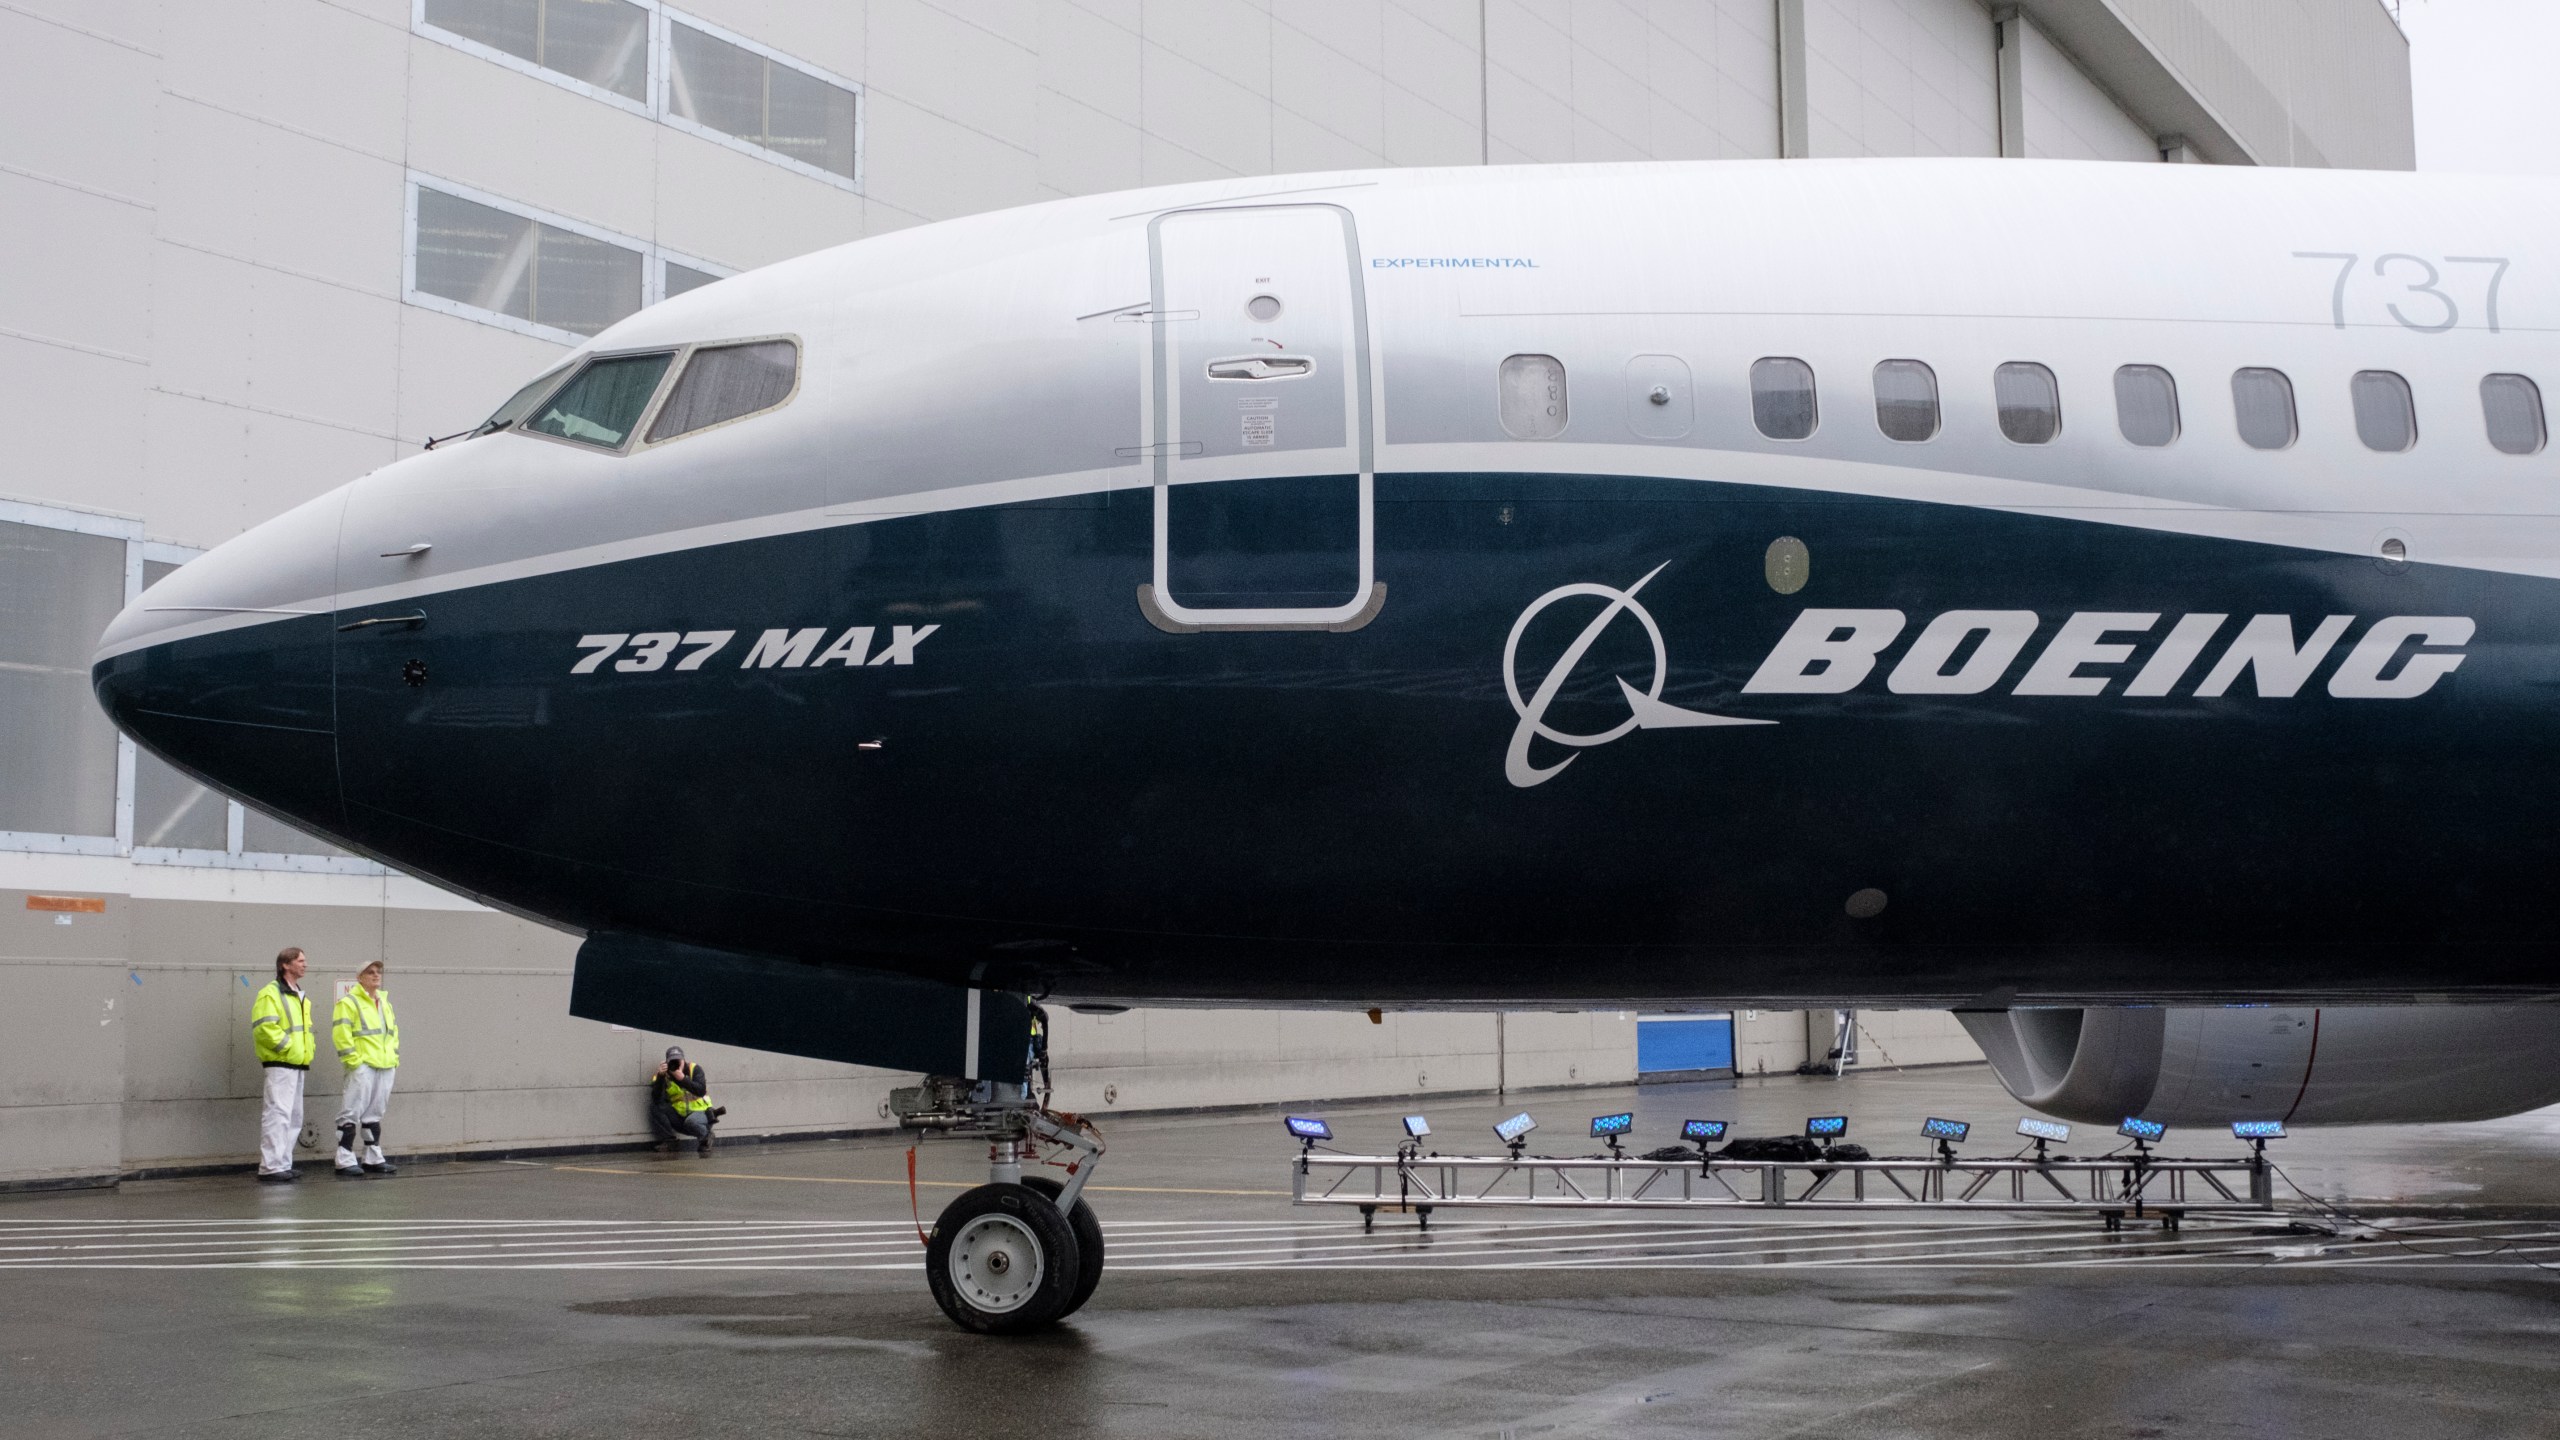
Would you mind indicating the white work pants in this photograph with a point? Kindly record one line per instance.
(360, 1105)
(280, 1122)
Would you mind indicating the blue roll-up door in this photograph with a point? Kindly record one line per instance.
(1667, 1043)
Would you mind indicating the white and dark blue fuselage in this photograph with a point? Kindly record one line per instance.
(1491, 586)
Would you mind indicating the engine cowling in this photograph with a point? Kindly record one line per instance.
(2328, 1065)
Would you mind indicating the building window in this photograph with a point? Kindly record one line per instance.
(2262, 404)
(678, 279)
(751, 94)
(58, 589)
(603, 44)
(2030, 402)
(2386, 417)
(490, 259)
(1906, 400)
(1782, 399)
(683, 72)
(172, 812)
(2146, 404)
(2511, 406)
(265, 835)
(476, 255)
(68, 781)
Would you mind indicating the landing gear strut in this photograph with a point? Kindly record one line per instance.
(1013, 1255)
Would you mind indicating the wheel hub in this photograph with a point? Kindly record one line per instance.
(996, 1263)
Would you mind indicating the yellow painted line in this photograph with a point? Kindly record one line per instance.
(901, 1184)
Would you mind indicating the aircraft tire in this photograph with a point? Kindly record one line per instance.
(1088, 1242)
(1002, 1261)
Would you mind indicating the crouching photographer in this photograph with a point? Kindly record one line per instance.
(680, 1103)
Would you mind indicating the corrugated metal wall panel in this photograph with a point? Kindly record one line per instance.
(2298, 82)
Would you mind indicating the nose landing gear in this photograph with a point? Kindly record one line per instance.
(1013, 1255)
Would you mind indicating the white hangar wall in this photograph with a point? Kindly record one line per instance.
(134, 1054)
(258, 248)
(1915, 78)
(2065, 114)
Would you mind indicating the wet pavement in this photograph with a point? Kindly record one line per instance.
(776, 1290)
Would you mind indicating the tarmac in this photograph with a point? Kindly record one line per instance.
(2410, 1288)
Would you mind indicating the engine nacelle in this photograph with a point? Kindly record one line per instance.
(2328, 1065)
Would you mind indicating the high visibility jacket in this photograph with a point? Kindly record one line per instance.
(365, 1031)
(681, 1100)
(280, 1025)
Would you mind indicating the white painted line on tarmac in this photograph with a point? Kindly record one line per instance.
(1511, 1243)
(400, 1251)
(273, 1244)
(1614, 1242)
(387, 1235)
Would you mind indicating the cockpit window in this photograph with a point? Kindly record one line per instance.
(723, 382)
(604, 402)
(513, 412)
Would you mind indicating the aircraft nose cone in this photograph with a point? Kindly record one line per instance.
(224, 668)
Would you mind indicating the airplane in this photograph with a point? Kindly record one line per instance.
(2082, 596)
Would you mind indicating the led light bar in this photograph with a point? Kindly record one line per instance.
(1827, 1127)
(1415, 1127)
(1937, 1129)
(1702, 1129)
(2257, 1129)
(2035, 1129)
(1308, 1127)
(2135, 1128)
(1515, 1127)
(1604, 1126)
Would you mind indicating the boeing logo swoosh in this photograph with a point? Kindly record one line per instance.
(1646, 709)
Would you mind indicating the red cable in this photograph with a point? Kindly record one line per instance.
(915, 1209)
(2306, 1065)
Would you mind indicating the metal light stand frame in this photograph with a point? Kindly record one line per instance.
(2109, 1188)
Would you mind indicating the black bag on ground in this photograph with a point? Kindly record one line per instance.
(1790, 1149)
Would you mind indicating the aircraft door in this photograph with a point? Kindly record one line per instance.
(1257, 413)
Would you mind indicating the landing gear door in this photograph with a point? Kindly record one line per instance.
(1257, 411)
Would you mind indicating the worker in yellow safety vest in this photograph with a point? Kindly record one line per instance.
(280, 1028)
(367, 1035)
(680, 1103)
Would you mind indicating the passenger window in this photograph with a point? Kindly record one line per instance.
(2512, 407)
(2030, 402)
(1533, 398)
(723, 382)
(607, 398)
(2386, 418)
(513, 412)
(1906, 400)
(2262, 403)
(1782, 401)
(2146, 404)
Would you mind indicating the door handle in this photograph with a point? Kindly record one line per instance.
(414, 617)
(1261, 367)
(409, 552)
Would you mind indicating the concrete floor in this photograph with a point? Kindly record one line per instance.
(777, 1291)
